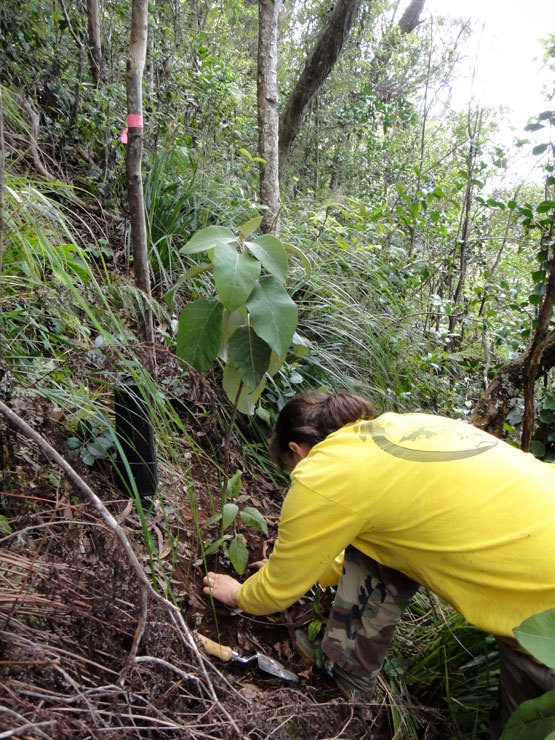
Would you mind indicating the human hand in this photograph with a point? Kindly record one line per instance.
(222, 587)
(259, 563)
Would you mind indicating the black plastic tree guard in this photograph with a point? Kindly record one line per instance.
(136, 436)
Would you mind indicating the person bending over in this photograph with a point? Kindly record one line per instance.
(405, 500)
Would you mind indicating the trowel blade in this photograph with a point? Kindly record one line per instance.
(265, 663)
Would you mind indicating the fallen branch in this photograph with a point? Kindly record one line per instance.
(27, 728)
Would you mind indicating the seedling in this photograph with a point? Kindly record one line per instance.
(93, 441)
(230, 543)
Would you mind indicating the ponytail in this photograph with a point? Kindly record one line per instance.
(308, 418)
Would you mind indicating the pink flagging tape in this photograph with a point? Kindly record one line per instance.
(134, 120)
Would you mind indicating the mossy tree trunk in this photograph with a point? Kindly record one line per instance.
(324, 55)
(318, 66)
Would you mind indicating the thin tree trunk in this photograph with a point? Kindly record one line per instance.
(474, 130)
(495, 403)
(533, 360)
(409, 21)
(139, 247)
(425, 111)
(520, 375)
(95, 47)
(488, 288)
(268, 117)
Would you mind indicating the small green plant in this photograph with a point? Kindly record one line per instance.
(317, 625)
(5, 527)
(535, 719)
(93, 441)
(229, 542)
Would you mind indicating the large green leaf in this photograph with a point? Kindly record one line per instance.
(232, 381)
(271, 254)
(235, 275)
(532, 720)
(250, 355)
(231, 321)
(255, 519)
(229, 512)
(199, 334)
(273, 314)
(207, 239)
(238, 554)
(537, 636)
(250, 227)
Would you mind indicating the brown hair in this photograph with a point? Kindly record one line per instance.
(309, 417)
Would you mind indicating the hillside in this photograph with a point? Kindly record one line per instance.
(72, 604)
(371, 237)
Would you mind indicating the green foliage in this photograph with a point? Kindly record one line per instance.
(537, 636)
(443, 661)
(93, 440)
(374, 194)
(5, 527)
(535, 719)
(231, 544)
(250, 324)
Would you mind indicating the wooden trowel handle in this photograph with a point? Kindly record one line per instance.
(223, 652)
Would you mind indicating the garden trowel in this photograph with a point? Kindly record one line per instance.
(265, 663)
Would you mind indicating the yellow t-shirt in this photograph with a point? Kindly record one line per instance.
(459, 511)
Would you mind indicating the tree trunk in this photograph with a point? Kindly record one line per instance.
(463, 238)
(411, 17)
(139, 249)
(495, 403)
(409, 21)
(95, 47)
(323, 57)
(533, 359)
(319, 64)
(490, 413)
(268, 117)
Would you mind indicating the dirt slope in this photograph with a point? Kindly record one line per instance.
(74, 661)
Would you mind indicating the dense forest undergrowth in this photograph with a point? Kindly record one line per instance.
(399, 256)
(72, 606)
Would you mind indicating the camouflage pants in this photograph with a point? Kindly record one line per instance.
(369, 602)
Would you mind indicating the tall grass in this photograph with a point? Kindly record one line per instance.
(440, 661)
(358, 325)
(66, 336)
